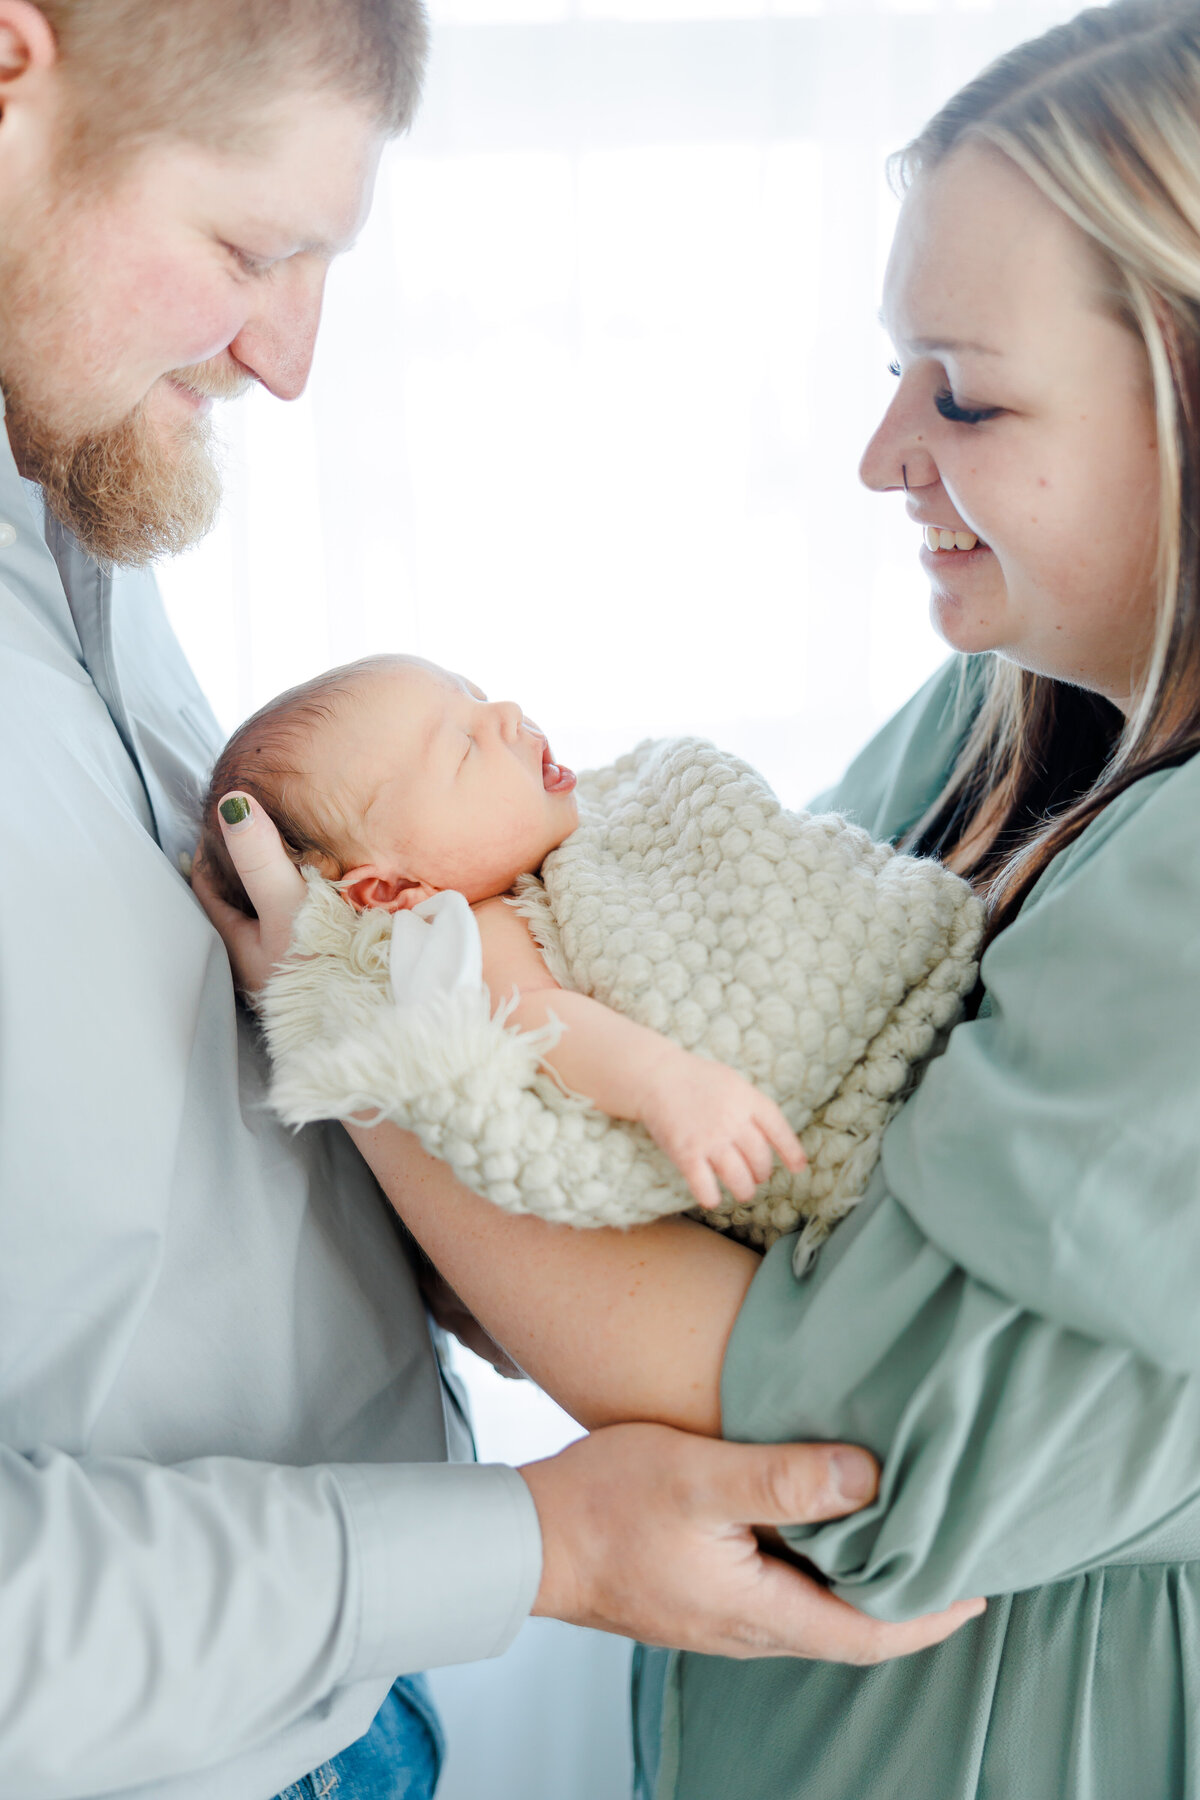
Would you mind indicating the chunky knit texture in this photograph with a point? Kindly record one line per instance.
(823, 966)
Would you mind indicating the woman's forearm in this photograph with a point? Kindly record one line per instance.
(613, 1324)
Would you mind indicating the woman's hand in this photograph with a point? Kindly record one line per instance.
(273, 882)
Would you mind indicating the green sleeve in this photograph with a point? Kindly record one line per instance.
(892, 782)
(1010, 1320)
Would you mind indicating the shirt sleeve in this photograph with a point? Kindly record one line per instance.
(1009, 1323)
(136, 1598)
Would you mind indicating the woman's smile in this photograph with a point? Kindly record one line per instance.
(944, 560)
(991, 293)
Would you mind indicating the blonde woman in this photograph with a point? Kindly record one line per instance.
(1009, 1320)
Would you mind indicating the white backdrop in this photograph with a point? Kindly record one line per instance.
(584, 424)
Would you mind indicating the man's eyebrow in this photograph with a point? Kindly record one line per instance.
(261, 231)
(322, 247)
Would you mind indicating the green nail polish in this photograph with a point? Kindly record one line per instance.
(235, 810)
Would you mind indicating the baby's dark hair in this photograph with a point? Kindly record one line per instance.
(265, 759)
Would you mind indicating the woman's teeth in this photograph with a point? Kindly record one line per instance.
(949, 540)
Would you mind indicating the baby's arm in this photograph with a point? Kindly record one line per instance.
(711, 1122)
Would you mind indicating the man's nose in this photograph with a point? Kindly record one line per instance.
(277, 341)
(896, 456)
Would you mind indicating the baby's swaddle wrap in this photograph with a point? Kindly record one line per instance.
(824, 967)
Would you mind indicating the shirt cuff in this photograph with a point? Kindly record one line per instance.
(446, 1563)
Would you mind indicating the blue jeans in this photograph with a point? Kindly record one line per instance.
(398, 1759)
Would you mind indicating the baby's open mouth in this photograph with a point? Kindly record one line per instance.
(556, 777)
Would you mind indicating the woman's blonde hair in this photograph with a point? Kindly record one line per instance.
(1103, 115)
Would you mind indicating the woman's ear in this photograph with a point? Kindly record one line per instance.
(368, 888)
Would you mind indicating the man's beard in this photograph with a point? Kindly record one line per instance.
(133, 492)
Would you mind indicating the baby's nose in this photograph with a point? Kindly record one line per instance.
(509, 717)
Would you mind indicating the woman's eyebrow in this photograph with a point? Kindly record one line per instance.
(937, 346)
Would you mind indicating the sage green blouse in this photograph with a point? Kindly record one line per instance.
(1011, 1321)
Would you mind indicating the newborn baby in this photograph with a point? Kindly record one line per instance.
(396, 780)
(640, 930)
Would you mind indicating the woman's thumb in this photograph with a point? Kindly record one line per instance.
(272, 880)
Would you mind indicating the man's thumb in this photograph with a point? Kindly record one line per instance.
(794, 1484)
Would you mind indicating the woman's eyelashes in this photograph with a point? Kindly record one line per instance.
(949, 407)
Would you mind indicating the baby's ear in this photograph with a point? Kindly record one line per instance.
(366, 888)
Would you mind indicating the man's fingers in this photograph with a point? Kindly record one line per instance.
(784, 1484)
(792, 1612)
(274, 884)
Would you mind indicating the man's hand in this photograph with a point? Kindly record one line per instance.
(648, 1532)
(273, 882)
(714, 1125)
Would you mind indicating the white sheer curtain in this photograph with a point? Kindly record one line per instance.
(584, 424)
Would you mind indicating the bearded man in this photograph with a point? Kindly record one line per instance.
(229, 1531)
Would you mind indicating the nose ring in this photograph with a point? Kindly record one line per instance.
(904, 474)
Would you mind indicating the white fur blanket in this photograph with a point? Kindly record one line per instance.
(823, 966)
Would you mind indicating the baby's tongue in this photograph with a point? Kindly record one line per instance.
(556, 777)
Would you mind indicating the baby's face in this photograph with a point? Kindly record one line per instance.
(446, 788)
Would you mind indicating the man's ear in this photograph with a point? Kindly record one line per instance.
(367, 887)
(27, 44)
(31, 118)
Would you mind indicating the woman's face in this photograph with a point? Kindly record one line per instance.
(1023, 415)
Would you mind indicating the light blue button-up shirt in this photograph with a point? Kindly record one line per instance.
(226, 1522)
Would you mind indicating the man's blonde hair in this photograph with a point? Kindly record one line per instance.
(203, 70)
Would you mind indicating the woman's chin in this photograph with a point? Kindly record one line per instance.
(966, 625)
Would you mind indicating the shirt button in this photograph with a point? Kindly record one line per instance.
(8, 534)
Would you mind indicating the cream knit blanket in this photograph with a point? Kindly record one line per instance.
(823, 966)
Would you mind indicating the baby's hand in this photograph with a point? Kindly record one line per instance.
(715, 1127)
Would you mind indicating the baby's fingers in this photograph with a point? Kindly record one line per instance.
(757, 1150)
(702, 1182)
(779, 1133)
(731, 1165)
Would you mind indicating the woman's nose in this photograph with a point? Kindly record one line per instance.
(896, 456)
